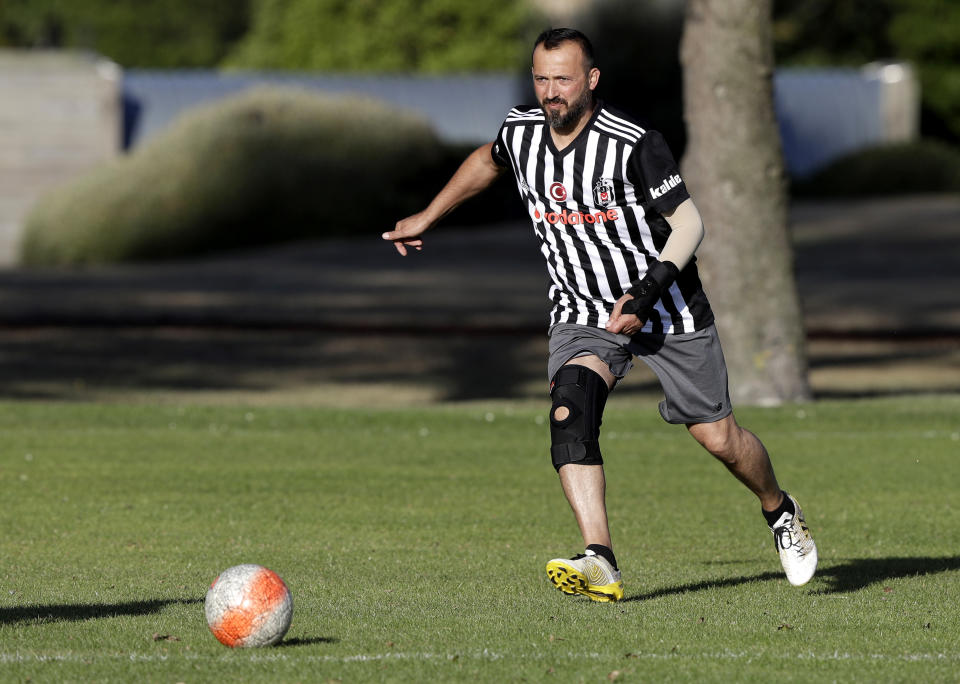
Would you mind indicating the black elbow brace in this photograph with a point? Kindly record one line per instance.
(579, 395)
(646, 292)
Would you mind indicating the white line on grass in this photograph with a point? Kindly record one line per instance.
(484, 655)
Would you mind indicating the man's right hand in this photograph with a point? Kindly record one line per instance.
(406, 232)
(475, 174)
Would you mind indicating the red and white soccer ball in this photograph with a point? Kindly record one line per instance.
(248, 606)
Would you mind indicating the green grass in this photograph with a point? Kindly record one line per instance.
(414, 540)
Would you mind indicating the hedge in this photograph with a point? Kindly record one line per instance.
(926, 166)
(266, 166)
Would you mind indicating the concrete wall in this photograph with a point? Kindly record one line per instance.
(827, 113)
(60, 114)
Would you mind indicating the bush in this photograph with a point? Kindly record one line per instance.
(266, 166)
(920, 167)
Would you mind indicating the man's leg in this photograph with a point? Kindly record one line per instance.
(745, 456)
(575, 418)
(584, 485)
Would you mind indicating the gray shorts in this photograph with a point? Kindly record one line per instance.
(690, 366)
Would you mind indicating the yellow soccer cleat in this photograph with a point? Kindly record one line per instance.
(587, 574)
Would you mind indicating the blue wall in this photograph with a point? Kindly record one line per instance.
(823, 113)
(462, 109)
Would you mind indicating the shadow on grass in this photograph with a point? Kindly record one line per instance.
(287, 643)
(845, 577)
(85, 611)
(858, 573)
(707, 584)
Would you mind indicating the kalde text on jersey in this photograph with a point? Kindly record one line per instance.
(576, 217)
(668, 184)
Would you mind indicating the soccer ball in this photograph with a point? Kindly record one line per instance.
(247, 606)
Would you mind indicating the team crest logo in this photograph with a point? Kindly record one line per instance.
(558, 192)
(603, 192)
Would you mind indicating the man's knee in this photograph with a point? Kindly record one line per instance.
(579, 395)
(719, 438)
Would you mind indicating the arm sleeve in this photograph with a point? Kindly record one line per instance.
(686, 233)
(654, 171)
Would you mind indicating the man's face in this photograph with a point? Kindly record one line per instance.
(563, 85)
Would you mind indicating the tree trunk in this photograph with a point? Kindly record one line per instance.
(733, 167)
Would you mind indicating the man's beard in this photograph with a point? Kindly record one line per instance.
(563, 122)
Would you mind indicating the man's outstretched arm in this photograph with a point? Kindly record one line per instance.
(476, 174)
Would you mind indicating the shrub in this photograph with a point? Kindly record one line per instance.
(918, 167)
(266, 166)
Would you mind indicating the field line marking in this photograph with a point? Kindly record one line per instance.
(91, 659)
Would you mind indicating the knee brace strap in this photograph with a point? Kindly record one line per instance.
(579, 395)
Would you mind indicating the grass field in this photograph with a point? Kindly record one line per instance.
(413, 541)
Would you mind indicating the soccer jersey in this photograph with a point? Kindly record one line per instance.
(596, 208)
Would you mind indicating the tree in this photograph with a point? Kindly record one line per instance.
(133, 33)
(734, 168)
(386, 35)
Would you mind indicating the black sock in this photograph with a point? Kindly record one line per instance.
(785, 507)
(606, 552)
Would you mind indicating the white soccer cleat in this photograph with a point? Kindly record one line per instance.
(798, 552)
(587, 574)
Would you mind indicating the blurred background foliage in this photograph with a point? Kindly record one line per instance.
(398, 35)
(854, 32)
(644, 78)
(203, 186)
(133, 33)
(269, 165)
(639, 40)
(302, 35)
(923, 166)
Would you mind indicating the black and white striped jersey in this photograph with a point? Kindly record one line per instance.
(596, 209)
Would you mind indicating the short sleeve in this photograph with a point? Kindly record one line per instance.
(653, 169)
(497, 152)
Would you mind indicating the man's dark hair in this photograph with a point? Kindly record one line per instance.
(553, 38)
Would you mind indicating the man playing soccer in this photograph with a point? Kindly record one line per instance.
(618, 231)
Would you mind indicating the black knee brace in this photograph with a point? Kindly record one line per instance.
(574, 435)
